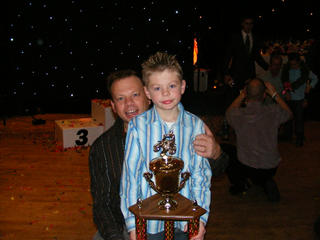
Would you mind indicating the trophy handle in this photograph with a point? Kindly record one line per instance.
(148, 177)
(185, 176)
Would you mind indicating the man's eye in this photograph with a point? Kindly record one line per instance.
(120, 98)
(136, 94)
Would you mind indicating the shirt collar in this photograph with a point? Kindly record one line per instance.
(155, 117)
(244, 34)
(254, 103)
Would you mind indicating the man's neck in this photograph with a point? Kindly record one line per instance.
(246, 32)
(254, 101)
(275, 74)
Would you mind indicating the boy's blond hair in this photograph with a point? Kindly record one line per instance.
(159, 62)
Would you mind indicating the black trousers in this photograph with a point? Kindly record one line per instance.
(296, 125)
(239, 174)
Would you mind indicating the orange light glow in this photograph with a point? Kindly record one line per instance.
(195, 51)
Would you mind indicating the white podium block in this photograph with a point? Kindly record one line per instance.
(200, 80)
(77, 132)
(102, 112)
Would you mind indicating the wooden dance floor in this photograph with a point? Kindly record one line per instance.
(45, 192)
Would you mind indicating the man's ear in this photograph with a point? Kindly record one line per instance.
(147, 92)
(183, 86)
(113, 107)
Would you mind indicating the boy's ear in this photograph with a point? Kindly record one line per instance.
(147, 92)
(183, 86)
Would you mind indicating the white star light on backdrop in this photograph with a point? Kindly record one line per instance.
(66, 49)
(50, 34)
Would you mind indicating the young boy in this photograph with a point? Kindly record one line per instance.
(164, 85)
(301, 80)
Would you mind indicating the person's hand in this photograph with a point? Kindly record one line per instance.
(201, 233)
(228, 80)
(308, 87)
(206, 145)
(243, 93)
(305, 103)
(132, 235)
(287, 97)
(270, 89)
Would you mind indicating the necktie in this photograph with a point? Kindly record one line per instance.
(247, 43)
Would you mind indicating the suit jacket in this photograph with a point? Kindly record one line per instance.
(240, 63)
(105, 165)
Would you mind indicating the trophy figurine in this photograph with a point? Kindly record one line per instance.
(166, 170)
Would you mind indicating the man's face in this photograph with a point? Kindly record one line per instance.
(294, 64)
(275, 66)
(128, 98)
(247, 25)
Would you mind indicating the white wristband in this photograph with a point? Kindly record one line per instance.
(274, 95)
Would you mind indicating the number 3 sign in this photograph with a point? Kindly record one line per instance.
(83, 137)
(77, 132)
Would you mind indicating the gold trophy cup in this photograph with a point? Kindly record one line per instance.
(166, 170)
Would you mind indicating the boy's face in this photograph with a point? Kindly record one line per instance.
(294, 64)
(128, 98)
(165, 89)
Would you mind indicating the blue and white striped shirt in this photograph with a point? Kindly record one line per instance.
(146, 130)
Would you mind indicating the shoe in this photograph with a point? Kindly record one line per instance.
(234, 190)
(272, 191)
(299, 142)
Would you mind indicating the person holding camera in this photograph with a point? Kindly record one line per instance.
(256, 127)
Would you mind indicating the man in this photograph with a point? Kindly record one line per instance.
(107, 154)
(256, 127)
(241, 54)
(273, 75)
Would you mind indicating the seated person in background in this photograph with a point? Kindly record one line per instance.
(164, 85)
(256, 127)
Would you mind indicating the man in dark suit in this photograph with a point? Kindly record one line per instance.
(242, 52)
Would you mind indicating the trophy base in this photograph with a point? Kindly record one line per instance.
(167, 203)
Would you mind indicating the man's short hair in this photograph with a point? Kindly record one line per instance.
(246, 17)
(294, 57)
(256, 89)
(117, 75)
(159, 62)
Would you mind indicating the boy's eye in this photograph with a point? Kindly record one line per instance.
(156, 88)
(173, 85)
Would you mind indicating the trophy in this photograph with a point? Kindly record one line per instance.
(166, 170)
